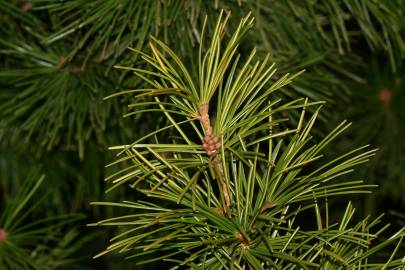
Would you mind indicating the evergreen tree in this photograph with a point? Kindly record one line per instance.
(57, 64)
(231, 193)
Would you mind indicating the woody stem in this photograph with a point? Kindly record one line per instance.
(205, 118)
(216, 161)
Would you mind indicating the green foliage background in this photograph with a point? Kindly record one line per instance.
(56, 66)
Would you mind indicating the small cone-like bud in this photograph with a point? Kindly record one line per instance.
(385, 96)
(3, 234)
(211, 144)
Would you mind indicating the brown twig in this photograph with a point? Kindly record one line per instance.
(63, 65)
(205, 118)
(212, 145)
(244, 240)
(27, 6)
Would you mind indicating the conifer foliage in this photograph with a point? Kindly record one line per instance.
(233, 166)
(29, 240)
(230, 178)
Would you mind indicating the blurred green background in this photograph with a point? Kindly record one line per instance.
(56, 66)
